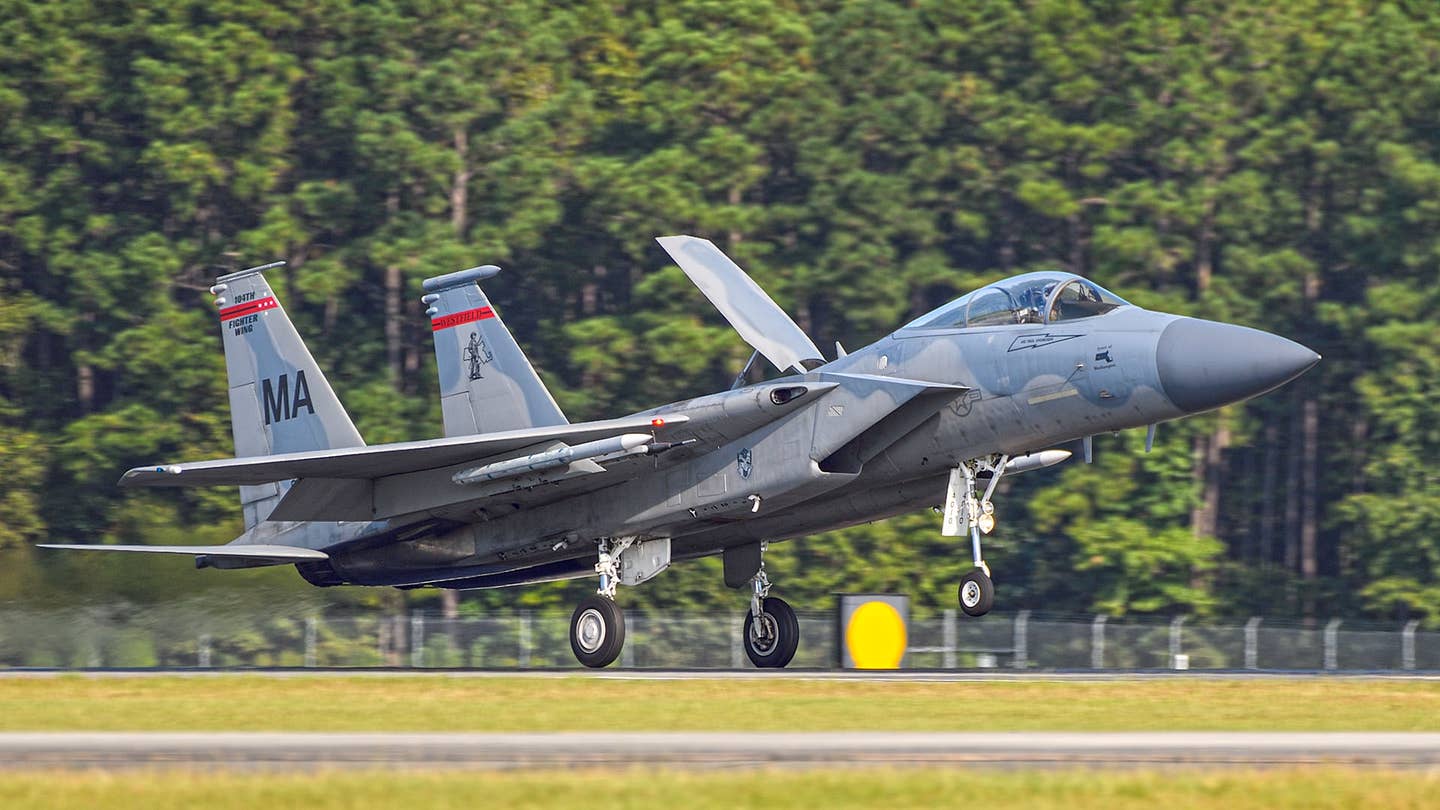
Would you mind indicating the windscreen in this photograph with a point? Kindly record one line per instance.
(1030, 298)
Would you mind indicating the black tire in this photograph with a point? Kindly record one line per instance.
(976, 593)
(598, 642)
(776, 649)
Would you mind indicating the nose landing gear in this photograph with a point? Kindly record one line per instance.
(964, 513)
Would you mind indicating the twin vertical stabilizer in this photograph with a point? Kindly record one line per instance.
(486, 382)
(280, 402)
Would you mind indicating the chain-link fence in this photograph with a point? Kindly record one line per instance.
(158, 637)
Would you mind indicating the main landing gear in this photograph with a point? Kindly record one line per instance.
(772, 633)
(597, 628)
(964, 513)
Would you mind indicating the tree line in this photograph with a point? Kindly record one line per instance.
(1271, 165)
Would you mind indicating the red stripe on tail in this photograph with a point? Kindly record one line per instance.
(458, 318)
(248, 308)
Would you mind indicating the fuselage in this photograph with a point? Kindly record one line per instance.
(778, 470)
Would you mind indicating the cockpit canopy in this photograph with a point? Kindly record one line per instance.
(1030, 298)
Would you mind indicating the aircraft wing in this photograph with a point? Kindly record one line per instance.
(377, 461)
(245, 552)
(758, 319)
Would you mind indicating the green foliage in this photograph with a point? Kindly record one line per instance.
(1274, 166)
(1391, 528)
(1115, 534)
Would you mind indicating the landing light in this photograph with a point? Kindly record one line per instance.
(987, 523)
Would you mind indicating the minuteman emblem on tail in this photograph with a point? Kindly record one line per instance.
(486, 382)
(477, 354)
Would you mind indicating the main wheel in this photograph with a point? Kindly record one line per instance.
(771, 642)
(597, 631)
(977, 593)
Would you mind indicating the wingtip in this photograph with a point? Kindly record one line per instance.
(139, 476)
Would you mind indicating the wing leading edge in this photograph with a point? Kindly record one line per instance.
(376, 461)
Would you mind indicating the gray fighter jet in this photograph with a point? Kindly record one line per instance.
(935, 412)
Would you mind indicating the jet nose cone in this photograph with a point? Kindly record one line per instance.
(1204, 364)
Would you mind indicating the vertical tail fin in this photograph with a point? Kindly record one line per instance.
(486, 382)
(280, 402)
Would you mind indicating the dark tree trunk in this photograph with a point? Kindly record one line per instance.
(1267, 494)
(1205, 517)
(1309, 463)
(1309, 517)
(1292, 492)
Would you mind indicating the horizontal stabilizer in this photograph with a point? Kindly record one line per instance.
(380, 460)
(758, 319)
(246, 552)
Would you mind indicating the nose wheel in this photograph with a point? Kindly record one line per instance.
(977, 593)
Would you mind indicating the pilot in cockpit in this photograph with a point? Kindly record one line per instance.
(1055, 311)
(1031, 302)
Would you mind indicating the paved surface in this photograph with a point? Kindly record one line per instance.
(935, 675)
(713, 750)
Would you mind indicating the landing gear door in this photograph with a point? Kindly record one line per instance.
(644, 560)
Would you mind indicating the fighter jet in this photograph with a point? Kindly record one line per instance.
(936, 412)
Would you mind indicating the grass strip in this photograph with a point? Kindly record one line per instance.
(349, 703)
(1319, 787)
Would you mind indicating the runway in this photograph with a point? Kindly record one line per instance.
(642, 674)
(710, 750)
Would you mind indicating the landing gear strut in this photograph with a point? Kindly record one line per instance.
(964, 513)
(772, 632)
(597, 628)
